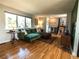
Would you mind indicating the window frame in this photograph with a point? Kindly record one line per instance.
(17, 19)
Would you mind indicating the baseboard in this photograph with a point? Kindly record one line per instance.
(74, 54)
(4, 41)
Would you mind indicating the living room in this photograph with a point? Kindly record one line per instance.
(32, 31)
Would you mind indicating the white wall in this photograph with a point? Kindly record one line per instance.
(69, 21)
(4, 36)
(76, 41)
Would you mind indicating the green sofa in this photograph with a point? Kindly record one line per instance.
(31, 35)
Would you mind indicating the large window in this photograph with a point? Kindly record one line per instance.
(15, 21)
(21, 22)
(28, 22)
(10, 21)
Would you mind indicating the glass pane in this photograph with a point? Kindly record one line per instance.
(28, 22)
(10, 21)
(63, 21)
(21, 22)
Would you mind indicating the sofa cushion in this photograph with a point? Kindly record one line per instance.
(33, 30)
(28, 31)
(32, 36)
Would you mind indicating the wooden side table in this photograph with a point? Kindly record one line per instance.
(12, 36)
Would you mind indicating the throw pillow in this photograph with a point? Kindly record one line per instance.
(24, 32)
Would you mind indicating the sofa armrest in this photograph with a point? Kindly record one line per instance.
(21, 35)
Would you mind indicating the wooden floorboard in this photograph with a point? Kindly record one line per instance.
(34, 50)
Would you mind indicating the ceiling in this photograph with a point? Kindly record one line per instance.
(41, 6)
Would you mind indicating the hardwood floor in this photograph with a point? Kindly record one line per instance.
(34, 50)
